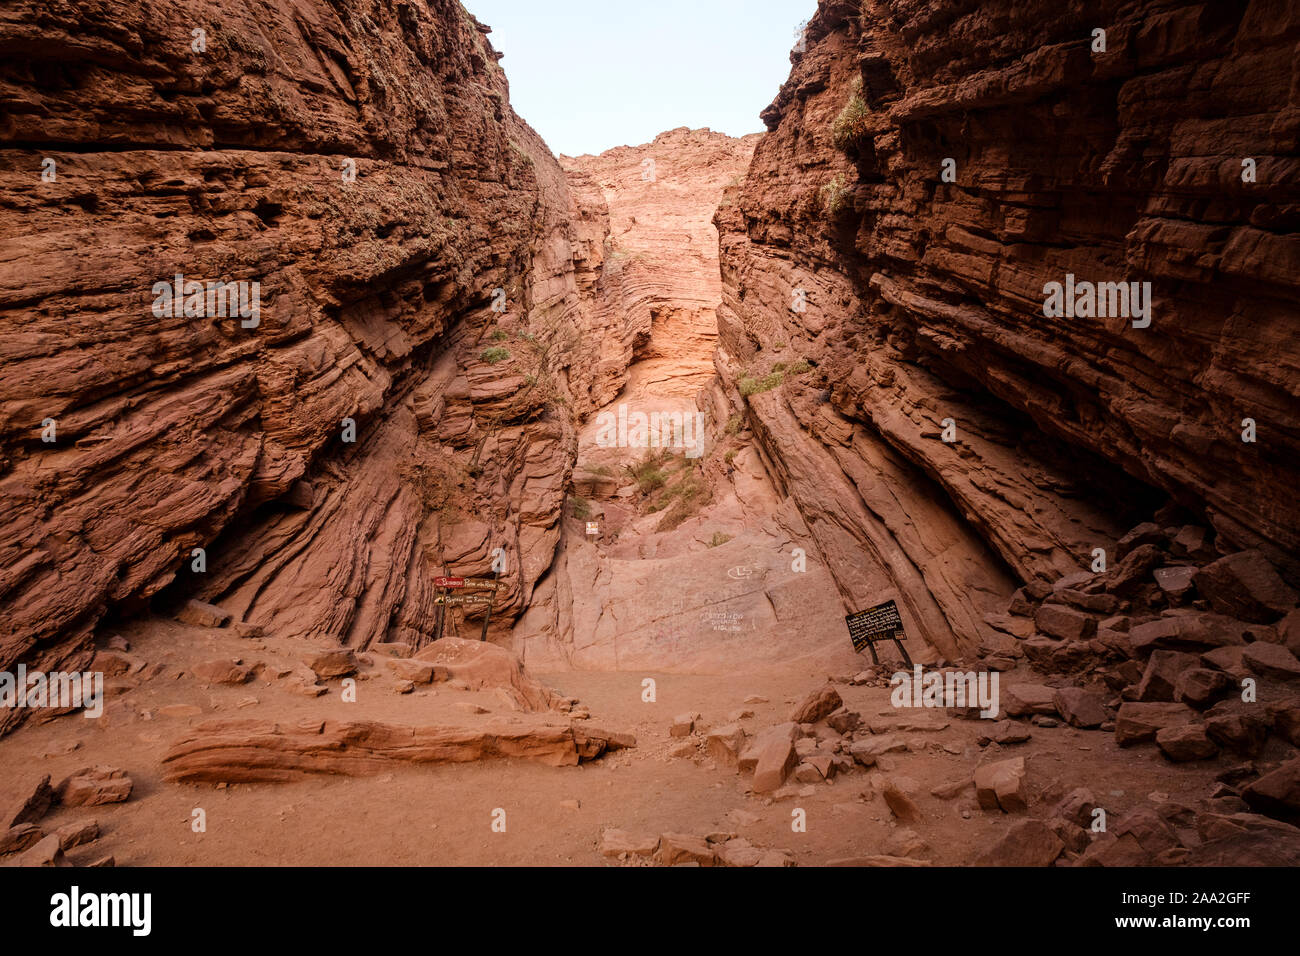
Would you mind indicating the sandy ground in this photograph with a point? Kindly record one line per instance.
(442, 815)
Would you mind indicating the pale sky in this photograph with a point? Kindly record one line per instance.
(589, 75)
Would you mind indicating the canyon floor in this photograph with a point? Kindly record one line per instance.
(413, 815)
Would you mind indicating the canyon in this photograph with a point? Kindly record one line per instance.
(242, 525)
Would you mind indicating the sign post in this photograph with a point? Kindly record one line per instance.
(879, 623)
(445, 600)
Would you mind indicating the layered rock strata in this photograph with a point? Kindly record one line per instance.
(929, 170)
(399, 403)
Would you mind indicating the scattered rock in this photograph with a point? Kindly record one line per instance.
(1026, 843)
(19, 837)
(900, 804)
(676, 848)
(94, 786)
(1001, 785)
(1271, 660)
(1186, 742)
(223, 672)
(328, 665)
(1079, 707)
(682, 725)
(1140, 722)
(414, 671)
(817, 705)
(1246, 586)
(32, 807)
(199, 614)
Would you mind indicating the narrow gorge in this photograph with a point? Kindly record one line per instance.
(680, 408)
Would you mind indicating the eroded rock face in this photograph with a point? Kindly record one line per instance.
(402, 401)
(949, 438)
(662, 244)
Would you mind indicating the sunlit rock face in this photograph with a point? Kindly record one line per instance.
(930, 171)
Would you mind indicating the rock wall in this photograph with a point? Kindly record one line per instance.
(403, 403)
(662, 244)
(951, 439)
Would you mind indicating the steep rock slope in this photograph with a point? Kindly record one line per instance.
(421, 263)
(920, 301)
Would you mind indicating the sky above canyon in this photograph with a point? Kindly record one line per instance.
(589, 75)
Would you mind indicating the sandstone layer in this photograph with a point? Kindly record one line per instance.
(403, 404)
(948, 440)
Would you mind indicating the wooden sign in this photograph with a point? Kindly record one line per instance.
(472, 584)
(879, 623)
(593, 527)
(461, 600)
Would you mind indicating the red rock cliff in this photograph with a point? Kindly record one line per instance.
(921, 300)
(361, 162)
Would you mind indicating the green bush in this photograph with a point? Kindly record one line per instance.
(495, 354)
(581, 508)
(852, 125)
(836, 195)
(719, 539)
(753, 386)
(799, 368)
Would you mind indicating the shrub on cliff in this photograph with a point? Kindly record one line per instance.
(851, 126)
(836, 195)
(495, 354)
(752, 386)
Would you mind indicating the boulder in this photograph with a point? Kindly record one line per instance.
(200, 614)
(899, 802)
(725, 744)
(1175, 582)
(415, 671)
(94, 786)
(1160, 678)
(1080, 707)
(19, 837)
(1277, 793)
(30, 807)
(1271, 660)
(614, 843)
(1186, 742)
(844, 721)
(331, 664)
(223, 671)
(1020, 700)
(1001, 785)
(1245, 585)
(775, 761)
(1026, 843)
(817, 705)
(44, 853)
(1187, 631)
(1201, 686)
(1065, 623)
(1140, 722)
(677, 848)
